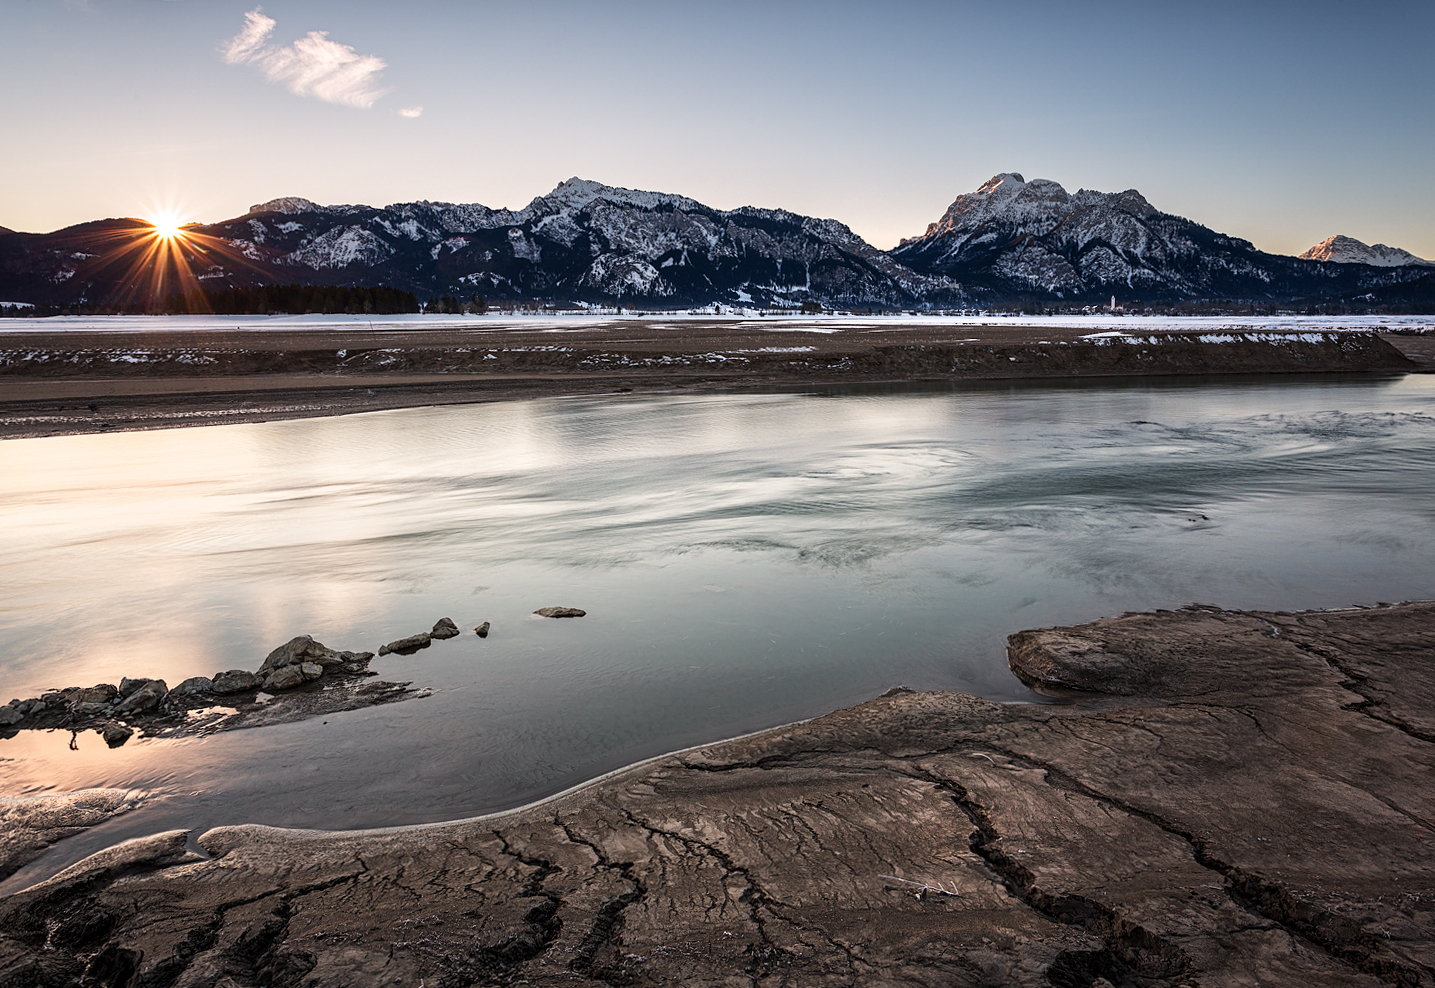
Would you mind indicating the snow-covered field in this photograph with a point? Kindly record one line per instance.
(749, 320)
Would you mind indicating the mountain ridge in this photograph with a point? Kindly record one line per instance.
(590, 243)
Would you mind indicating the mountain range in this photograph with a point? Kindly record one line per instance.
(589, 243)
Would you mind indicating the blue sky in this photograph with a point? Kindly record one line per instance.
(1280, 122)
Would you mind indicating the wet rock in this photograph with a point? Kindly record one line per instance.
(146, 698)
(560, 612)
(129, 686)
(284, 678)
(103, 693)
(193, 685)
(10, 715)
(444, 628)
(300, 650)
(235, 681)
(482, 630)
(115, 734)
(310, 670)
(407, 646)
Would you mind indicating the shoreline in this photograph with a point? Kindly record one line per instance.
(1240, 795)
(89, 381)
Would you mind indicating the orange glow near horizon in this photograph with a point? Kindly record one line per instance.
(163, 256)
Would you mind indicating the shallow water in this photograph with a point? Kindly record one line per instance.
(746, 560)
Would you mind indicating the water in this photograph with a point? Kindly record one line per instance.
(746, 561)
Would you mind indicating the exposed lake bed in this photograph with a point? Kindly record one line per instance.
(1243, 797)
(744, 560)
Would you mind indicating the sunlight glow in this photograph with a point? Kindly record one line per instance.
(167, 226)
(161, 261)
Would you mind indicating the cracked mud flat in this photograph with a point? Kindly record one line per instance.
(1240, 798)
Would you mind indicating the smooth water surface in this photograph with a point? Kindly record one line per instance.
(745, 561)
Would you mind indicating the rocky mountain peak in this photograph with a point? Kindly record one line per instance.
(288, 205)
(580, 193)
(1003, 185)
(1341, 249)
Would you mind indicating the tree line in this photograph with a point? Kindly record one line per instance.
(379, 300)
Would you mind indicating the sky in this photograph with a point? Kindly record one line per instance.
(1283, 123)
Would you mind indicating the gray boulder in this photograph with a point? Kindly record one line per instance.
(482, 630)
(284, 678)
(146, 698)
(407, 646)
(129, 686)
(102, 693)
(444, 628)
(193, 685)
(235, 681)
(299, 650)
(560, 612)
(9, 715)
(116, 734)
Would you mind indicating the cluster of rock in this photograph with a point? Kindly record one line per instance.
(443, 628)
(107, 707)
(110, 709)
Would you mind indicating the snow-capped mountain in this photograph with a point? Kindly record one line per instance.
(1035, 239)
(587, 242)
(584, 241)
(1341, 249)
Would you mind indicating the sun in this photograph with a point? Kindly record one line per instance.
(167, 226)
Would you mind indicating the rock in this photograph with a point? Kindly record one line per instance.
(129, 686)
(10, 715)
(482, 630)
(284, 678)
(116, 734)
(102, 693)
(407, 646)
(560, 612)
(235, 681)
(193, 685)
(300, 650)
(91, 709)
(444, 628)
(311, 670)
(146, 698)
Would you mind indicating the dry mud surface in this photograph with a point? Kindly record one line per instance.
(1237, 798)
(77, 381)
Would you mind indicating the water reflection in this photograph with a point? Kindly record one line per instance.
(745, 561)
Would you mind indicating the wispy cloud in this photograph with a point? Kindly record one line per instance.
(312, 66)
(412, 112)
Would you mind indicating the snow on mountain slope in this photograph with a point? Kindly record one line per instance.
(1031, 238)
(1341, 249)
(586, 241)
